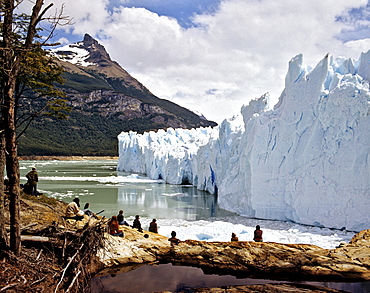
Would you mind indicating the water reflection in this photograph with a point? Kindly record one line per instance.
(177, 278)
(166, 201)
(150, 278)
(98, 183)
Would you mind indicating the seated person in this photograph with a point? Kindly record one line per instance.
(137, 224)
(73, 210)
(233, 237)
(258, 234)
(173, 239)
(121, 219)
(113, 227)
(153, 227)
(88, 212)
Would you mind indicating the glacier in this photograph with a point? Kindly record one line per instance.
(305, 160)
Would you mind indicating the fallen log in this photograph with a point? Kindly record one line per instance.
(34, 238)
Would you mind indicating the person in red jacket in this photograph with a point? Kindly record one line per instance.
(113, 227)
(258, 234)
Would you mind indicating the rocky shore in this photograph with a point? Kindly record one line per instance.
(348, 263)
(247, 259)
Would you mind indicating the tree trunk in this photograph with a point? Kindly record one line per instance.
(12, 169)
(10, 73)
(12, 166)
(4, 240)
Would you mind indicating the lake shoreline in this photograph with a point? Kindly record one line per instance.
(66, 158)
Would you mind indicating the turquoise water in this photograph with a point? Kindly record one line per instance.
(98, 183)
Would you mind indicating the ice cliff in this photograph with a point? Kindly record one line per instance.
(306, 161)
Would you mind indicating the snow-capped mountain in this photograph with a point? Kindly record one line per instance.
(132, 99)
(105, 100)
(88, 57)
(307, 160)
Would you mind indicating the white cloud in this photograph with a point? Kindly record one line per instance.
(63, 41)
(88, 15)
(234, 55)
(359, 45)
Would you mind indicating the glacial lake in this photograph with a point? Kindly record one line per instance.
(98, 183)
(192, 213)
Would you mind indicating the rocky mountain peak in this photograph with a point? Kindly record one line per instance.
(84, 53)
(89, 55)
(97, 53)
(88, 40)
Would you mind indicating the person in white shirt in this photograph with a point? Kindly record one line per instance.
(73, 210)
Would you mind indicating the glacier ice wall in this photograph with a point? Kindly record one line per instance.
(306, 161)
(168, 155)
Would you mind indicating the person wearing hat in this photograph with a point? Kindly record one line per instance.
(33, 178)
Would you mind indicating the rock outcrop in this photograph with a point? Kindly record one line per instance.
(349, 262)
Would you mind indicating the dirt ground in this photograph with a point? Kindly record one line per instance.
(31, 271)
(39, 267)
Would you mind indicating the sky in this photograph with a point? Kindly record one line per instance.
(213, 56)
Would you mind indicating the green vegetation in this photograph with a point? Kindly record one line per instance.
(118, 85)
(84, 83)
(79, 135)
(91, 129)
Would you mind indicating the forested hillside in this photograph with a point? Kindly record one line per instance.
(105, 100)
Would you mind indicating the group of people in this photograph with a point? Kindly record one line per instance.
(73, 212)
(153, 227)
(120, 220)
(257, 235)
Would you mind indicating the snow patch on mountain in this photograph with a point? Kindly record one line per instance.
(73, 53)
(305, 161)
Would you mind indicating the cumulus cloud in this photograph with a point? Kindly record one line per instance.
(230, 56)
